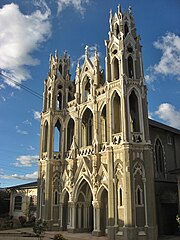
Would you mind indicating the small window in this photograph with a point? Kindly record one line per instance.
(18, 203)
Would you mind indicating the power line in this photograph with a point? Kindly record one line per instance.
(31, 91)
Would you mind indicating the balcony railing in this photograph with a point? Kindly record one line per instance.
(84, 151)
(116, 138)
(136, 137)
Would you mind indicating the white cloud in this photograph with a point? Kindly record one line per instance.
(37, 115)
(31, 148)
(91, 52)
(26, 161)
(169, 63)
(18, 130)
(76, 4)
(2, 86)
(28, 176)
(168, 114)
(3, 99)
(27, 122)
(20, 36)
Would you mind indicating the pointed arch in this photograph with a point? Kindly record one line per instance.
(116, 113)
(130, 67)
(87, 127)
(134, 112)
(57, 136)
(70, 133)
(159, 158)
(115, 69)
(49, 101)
(117, 30)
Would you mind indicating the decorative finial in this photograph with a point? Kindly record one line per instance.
(96, 54)
(86, 51)
(56, 54)
(130, 10)
(65, 54)
(110, 14)
(119, 8)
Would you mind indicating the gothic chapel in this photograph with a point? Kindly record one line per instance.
(96, 162)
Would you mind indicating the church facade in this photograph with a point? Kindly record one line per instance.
(96, 166)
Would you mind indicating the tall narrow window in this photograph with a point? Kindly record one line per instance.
(139, 196)
(116, 114)
(55, 197)
(130, 67)
(49, 101)
(117, 30)
(116, 69)
(120, 197)
(87, 89)
(57, 137)
(87, 121)
(159, 158)
(70, 133)
(59, 101)
(45, 137)
(18, 203)
(103, 125)
(134, 112)
(126, 29)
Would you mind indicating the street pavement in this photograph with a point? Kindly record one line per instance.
(27, 234)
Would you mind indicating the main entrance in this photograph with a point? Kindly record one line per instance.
(84, 208)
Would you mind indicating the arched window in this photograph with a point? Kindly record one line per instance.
(116, 69)
(70, 133)
(117, 30)
(60, 68)
(126, 29)
(57, 137)
(116, 114)
(103, 125)
(159, 156)
(18, 203)
(130, 67)
(87, 128)
(45, 137)
(86, 89)
(134, 112)
(139, 196)
(59, 101)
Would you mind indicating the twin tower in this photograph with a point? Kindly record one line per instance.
(96, 167)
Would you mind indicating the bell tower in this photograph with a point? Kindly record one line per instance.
(134, 199)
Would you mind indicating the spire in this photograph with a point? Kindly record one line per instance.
(78, 67)
(119, 9)
(56, 55)
(110, 15)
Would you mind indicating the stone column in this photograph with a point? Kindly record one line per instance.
(61, 216)
(72, 224)
(96, 217)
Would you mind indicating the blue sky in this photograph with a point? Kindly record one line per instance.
(31, 30)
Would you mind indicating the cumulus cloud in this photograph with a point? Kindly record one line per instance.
(168, 114)
(169, 63)
(37, 115)
(26, 161)
(20, 36)
(28, 176)
(78, 5)
(18, 130)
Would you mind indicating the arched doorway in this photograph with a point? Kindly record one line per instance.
(104, 212)
(84, 214)
(65, 219)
